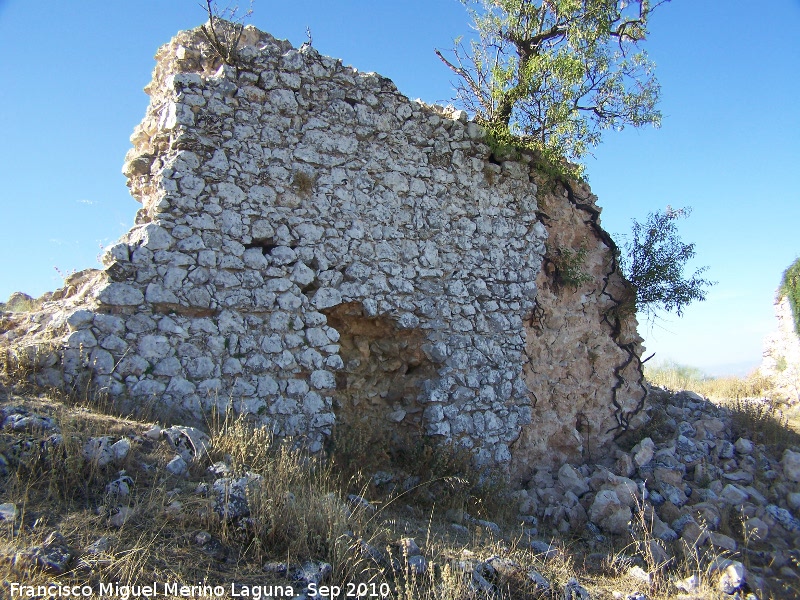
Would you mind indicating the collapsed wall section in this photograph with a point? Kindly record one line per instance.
(313, 247)
(584, 373)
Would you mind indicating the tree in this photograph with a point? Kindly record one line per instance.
(654, 259)
(557, 72)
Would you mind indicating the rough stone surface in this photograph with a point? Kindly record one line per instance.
(781, 360)
(313, 247)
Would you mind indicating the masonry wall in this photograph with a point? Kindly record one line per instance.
(313, 246)
(781, 360)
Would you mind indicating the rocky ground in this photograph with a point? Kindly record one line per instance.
(699, 507)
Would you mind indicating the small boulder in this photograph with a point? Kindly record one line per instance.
(791, 465)
(8, 511)
(120, 449)
(177, 466)
(575, 591)
(732, 577)
(417, 565)
(733, 494)
(643, 452)
(572, 480)
(609, 513)
(120, 486)
(121, 516)
(744, 446)
(98, 450)
(190, 443)
(409, 547)
(312, 571)
(231, 495)
(756, 530)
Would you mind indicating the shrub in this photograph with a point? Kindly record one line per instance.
(654, 260)
(790, 289)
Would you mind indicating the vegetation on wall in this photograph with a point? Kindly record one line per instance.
(557, 72)
(790, 289)
(654, 260)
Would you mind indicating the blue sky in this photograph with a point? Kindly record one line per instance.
(73, 74)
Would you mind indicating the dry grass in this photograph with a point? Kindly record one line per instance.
(301, 513)
(676, 377)
(758, 411)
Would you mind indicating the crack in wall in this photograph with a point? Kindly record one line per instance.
(623, 419)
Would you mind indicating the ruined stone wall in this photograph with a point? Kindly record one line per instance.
(782, 353)
(313, 246)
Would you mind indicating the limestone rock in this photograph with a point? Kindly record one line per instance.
(732, 577)
(791, 465)
(190, 443)
(609, 513)
(231, 495)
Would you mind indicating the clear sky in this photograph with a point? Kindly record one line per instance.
(72, 75)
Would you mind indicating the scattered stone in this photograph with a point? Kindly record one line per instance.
(637, 572)
(732, 577)
(722, 541)
(572, 480)
(756, 530)
(367, 550)
(741, 477)
(539, 580)
(490, 526)
(689, 585)
(505, 567)
(99, 546)
(177, 466)
(8, 511)
(201, 538)
(231, 495)
(544, 550)
(312, 572)
(417, 565)
(154, 433)
(408, 546)
(53, 556)
(643, 452)
(280, 569)
(120, 486)
(120, 449)
(784, 517)
(121, 516)
(575, 591)
(361, 503)
(744, 446)
(632, 596)
(21, 420)
(220, 469)
(480, 583)
(190, 443)
(733, 494)
(98, 450)
(609, 513)
(791, 465)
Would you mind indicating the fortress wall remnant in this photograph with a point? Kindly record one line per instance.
(313, 246)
